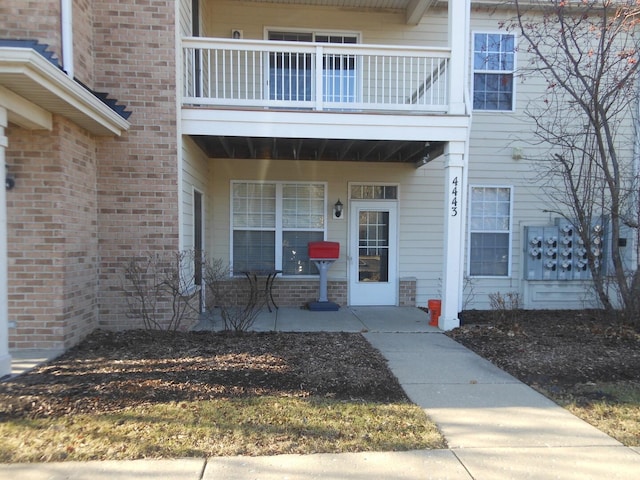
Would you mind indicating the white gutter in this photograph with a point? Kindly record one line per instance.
(66, 23)
(30, 75)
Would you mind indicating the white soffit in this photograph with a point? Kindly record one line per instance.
(26, 74)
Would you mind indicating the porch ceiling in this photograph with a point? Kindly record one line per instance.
(392, 151)
(414, 9)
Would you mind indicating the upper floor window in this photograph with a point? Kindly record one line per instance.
(493, 71)
(272, 224)
(490, 231)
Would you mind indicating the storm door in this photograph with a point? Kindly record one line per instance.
(373, 246)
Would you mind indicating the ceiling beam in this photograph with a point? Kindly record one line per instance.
(416, 10)
(366, 153)
(251, 147)
(345, 149)
(320, 152)
(415, 155)
(297, 148)
(226, 146)
(392, 150)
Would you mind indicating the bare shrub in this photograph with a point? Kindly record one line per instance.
(159, 293)
(505, 308)
(238, 307)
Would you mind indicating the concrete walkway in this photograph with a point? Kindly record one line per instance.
(496, 427)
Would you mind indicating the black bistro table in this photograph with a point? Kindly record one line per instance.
(255, 292)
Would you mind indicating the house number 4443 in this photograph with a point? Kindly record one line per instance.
(454, 197)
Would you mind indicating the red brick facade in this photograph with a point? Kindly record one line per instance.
(83, 205)
(138, 173)
(52, 236)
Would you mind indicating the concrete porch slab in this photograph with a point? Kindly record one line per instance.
(394, 319)
(303, 320)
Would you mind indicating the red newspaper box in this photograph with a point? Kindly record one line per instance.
(324, 250)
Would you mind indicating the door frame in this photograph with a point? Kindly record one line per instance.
(392, 206)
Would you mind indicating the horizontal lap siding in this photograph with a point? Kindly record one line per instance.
(494, 136)
(420, 221)
(376, 27)
(194, 175)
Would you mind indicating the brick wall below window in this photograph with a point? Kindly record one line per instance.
(296, 293)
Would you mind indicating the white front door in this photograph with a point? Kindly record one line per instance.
(373, 276)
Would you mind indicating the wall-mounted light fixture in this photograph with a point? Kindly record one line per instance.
(10, 182)
(237, 34)
(337, 209)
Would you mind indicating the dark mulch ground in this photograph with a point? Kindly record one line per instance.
(110, 371)
(556, 351)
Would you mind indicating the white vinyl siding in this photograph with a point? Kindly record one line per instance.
(194, 175)
(375, 27)
(420, 210)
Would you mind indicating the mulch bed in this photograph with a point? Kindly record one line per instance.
(110, 371)
(554, 350)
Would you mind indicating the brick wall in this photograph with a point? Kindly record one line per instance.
(83, 41)
(32, 19)
(40, 20)
(84, 205)
(407, 293)
(138, 173)
(52, 243)
(296, 293)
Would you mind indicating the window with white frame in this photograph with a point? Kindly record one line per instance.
(272, 224)
(493, 71)
(490, 231)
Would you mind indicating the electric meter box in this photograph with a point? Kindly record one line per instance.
(557, 252)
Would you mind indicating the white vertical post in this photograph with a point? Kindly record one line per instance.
(319, 88)
(459, 12)
(5, 358)
(66, 21)
(453, 235)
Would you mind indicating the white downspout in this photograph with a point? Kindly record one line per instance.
(5, 358)
(66, 24)
(465, 175)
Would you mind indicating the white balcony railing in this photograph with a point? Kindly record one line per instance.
(247, 73)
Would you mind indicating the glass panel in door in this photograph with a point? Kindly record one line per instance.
(373, 277)
(339, 71)
(373, 246)
(291, 75)
(289, 72)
